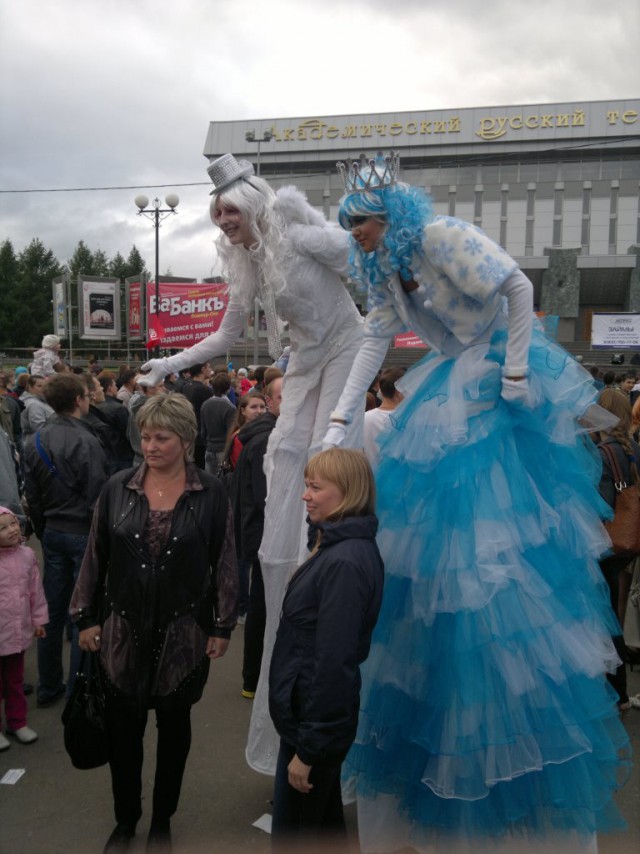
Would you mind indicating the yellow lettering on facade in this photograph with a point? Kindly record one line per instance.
(546, 121)
(630, 117)
(395, 128)
(562, 121)
(577, 120)
(382, 130)
(454, 125)
(287, 134)
(365, 130)
(411, 128)
(314, 127)
(440, 127)
(612, 116)
(302, 133)
(275, 133)
(425, 127)
(531, 122)
(515, 123)
(349, 131)
(332, 132)
(492, 128)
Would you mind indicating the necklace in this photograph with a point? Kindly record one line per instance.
(162, 490)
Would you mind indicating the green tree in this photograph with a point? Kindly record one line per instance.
(29, 304)
(118, 267)
(9, 273)
(135, 263)
(82, 261)
(101, 265)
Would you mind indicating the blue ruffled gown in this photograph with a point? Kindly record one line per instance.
(487, 723)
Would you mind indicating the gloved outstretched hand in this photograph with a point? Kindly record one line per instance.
(158, 370)
(335, 435)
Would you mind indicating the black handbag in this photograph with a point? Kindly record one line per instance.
(225, 474)
(84, 719)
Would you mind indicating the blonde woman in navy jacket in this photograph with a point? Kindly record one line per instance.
(330, 608)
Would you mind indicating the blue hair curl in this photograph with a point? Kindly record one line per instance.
(406, 210)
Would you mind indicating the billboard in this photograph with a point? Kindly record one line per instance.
(99, 308)
(134, 291)
(59, 295)
(187, 312)
(615, 331)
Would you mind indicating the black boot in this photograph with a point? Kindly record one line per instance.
(120, 838)
(159, 839)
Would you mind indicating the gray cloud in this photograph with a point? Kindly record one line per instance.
(114, 93)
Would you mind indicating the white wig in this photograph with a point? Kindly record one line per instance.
(254, 198)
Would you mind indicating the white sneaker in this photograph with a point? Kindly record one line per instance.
(5, 744)
(24, 735)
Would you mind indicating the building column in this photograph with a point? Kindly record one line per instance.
(560, 293)
(634, 281)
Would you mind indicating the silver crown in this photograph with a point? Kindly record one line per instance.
(362, 175)
(226, 169)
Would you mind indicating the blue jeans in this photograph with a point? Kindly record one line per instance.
(63, 555)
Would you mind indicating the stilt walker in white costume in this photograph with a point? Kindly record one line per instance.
(278, 248)
(486, 721)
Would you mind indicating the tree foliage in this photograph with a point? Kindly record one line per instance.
(26, 287)
(26, 282)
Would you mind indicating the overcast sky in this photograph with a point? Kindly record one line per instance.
(120, 93)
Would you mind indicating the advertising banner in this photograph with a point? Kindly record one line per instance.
(186, 314)
(59, 293)
(134, 311)
(615, 331)
(99, 308)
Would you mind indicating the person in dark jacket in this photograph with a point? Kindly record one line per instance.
(156, 596)
(117, 417)
(196, 392)
(217, 415)
(248, 495)
(65, 470)
(627, 455)
(329, 611)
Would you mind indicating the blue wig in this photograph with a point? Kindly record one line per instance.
(405, 210)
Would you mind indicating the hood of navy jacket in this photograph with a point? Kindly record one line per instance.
(263, 424)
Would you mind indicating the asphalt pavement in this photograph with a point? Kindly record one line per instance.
(56, 809)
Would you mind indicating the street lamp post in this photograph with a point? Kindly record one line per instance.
(156, 214)
(250, 136)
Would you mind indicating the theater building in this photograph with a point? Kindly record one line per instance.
(557, 185)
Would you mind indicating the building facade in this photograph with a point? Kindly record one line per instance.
(557, 185)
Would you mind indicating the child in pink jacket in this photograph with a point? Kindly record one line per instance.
(23, 614)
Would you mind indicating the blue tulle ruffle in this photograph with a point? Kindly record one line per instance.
(485, 708)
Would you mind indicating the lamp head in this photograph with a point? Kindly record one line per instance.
(141, 202)
(172, 201)
(250, 136)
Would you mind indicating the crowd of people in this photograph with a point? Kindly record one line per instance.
(433, 617)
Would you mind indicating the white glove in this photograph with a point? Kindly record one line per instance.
(335, 435)
(365, 366)
(516, 392)
(158, 370)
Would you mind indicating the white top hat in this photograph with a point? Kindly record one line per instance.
(226, 169)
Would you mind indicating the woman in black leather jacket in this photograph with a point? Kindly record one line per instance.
(156, 597)
(330, 608)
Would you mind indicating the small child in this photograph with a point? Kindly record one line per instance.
(45, 359)
(23, 614)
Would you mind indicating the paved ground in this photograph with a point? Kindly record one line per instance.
(54, 809)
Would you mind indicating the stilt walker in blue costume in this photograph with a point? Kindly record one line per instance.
(487, 723)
